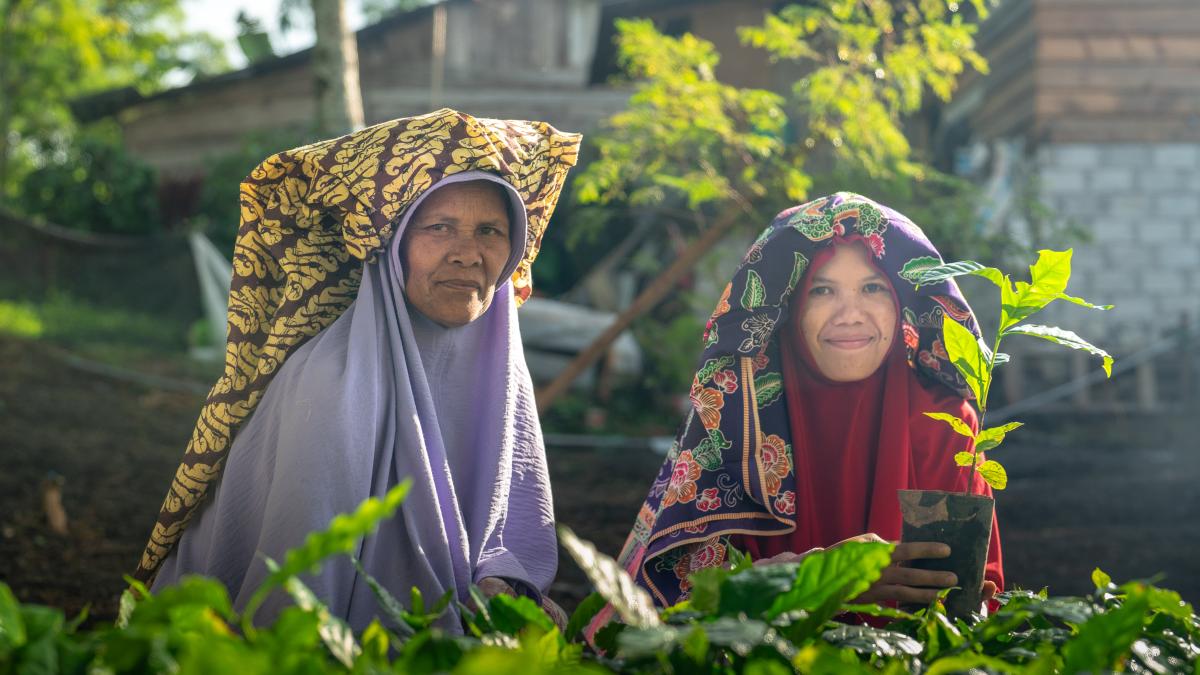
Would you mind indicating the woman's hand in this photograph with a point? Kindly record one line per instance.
(906, 584)
(785, 557)
(557, 614)
(493, 586)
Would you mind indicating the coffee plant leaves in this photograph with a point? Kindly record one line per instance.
(630, 601)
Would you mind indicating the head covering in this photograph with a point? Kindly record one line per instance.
(313, 221)
(730, 471)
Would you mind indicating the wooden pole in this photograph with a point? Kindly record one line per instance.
(437, 61)
(646, 301)
(335, 69)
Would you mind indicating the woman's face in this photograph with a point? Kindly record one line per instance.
(454, 249)
(848, 319)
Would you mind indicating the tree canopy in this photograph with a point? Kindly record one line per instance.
(53, 51)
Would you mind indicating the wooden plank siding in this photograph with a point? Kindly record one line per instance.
(1118, 70)
(525, 59)
(1077, 71)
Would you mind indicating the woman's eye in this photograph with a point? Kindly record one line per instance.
(874, 287)
(488, 229)
(436, 227)
(820, 290)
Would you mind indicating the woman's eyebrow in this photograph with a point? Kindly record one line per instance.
(827, 280)
(438, 216)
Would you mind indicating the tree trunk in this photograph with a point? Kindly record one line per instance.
(8, 11)
(651, 296)
(335, 67)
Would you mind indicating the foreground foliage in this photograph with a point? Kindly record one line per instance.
(762, 620)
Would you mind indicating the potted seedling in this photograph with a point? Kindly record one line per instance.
(964, 520)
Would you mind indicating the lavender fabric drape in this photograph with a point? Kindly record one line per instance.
(383, 394)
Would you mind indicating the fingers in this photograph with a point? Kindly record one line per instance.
(868, 538)
(989, 590)
(785, 557)
(908, 594)
(908, 576)
(916, 550)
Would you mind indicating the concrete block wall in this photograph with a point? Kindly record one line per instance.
(1141, 204)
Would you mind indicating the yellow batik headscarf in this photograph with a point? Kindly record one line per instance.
(310, 217)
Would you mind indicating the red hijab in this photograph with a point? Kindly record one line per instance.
(856, 443)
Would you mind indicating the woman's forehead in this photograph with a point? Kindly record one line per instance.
(483, 193)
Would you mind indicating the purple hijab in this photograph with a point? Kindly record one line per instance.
(383, 394)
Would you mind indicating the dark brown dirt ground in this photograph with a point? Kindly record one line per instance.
(1095, 493)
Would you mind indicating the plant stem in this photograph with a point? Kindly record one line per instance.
(987, 387)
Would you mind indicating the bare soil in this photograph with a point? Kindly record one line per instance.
(1088, 493)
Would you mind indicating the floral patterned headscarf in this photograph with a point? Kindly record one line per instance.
(729, 471)
(310, 218)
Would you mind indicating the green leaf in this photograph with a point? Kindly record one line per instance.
(1081, 302)
(739, 634)
(1065, 338)
(993, 437)
(193, 595)
(583, 614)
(375, 640)
(1167, 602)
(970, 663)
(433, 651)
(391, 607)
(706, 588)
(642, 643)
(695, 645)
(752, 592)
(630, 601)
(755, 293)
(1101, 580)
(964, 458)
(1050, 273)
(954, 421)
(967, 356)
(1049, 277)
(125, 608)
(12, 628)
(994, 474)
(334, 632)
(940, 273)
(1102, 642)
(828, 578)
(512, 615)
(873, 641)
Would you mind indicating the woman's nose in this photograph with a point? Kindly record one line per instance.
(849, 310)
(465, 251)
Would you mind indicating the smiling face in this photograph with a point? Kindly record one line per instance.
(848, 318)
(454, 249)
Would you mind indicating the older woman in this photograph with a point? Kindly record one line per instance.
(373, 337)
(818, 364)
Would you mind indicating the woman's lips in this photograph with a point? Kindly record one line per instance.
(849, 343)
(460, 285)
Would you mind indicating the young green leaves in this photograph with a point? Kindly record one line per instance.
(987, 439)
(975, 361)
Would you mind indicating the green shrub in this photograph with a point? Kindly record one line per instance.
(95, 185)
(20, 319)
(744, 619)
